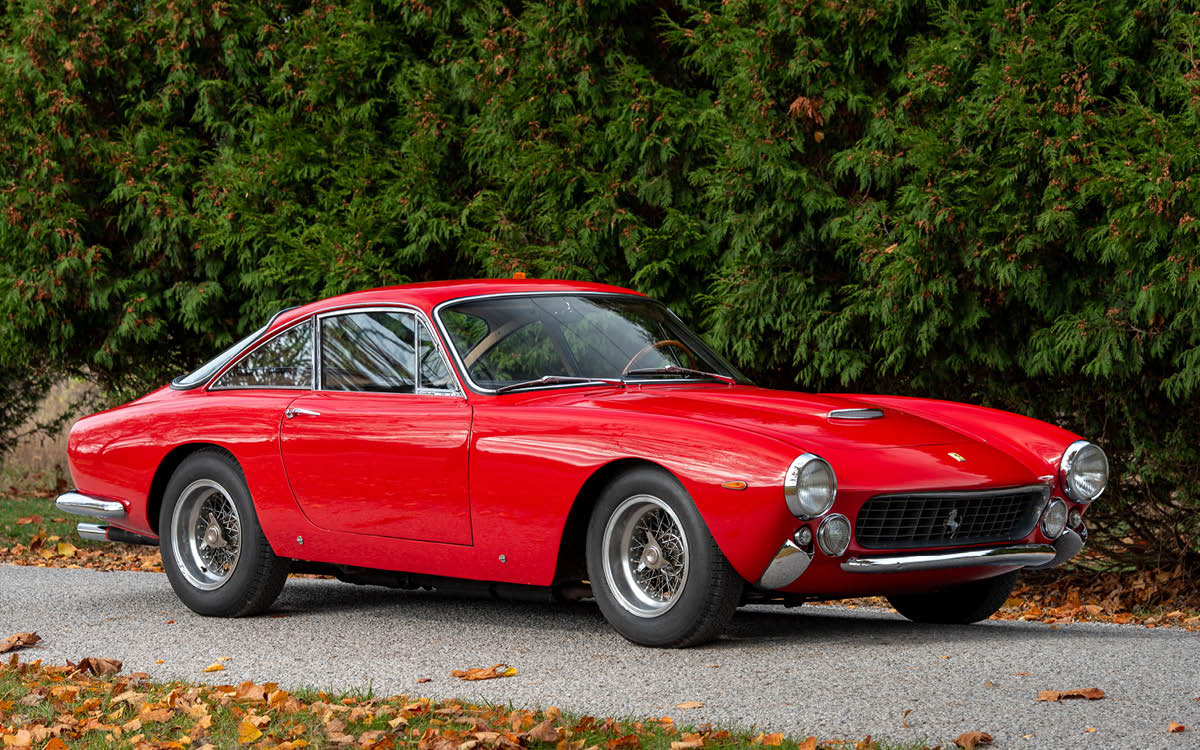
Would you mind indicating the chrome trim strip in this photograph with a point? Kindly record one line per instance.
(92, 531)
(1017, 556)
(786, 567)
(86, 505)
(865, 413)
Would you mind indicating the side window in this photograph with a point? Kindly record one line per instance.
(435, 375)
(283, 362)
(369, 351)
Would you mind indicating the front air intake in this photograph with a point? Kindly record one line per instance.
(949, 519)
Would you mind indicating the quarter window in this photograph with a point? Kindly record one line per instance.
(283, 362)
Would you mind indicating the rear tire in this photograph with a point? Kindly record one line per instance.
(957, 605)
(657, 575)
(213, 549)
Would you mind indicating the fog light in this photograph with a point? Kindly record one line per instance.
(803, 537)
(1054, 520)
(1075, 520)
(833, 535)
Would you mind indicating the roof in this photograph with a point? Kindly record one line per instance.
(427, 295)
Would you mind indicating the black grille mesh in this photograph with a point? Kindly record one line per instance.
(948, 519)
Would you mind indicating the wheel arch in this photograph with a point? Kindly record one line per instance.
(167, 467)
(571, 564)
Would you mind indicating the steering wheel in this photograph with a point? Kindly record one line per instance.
(659, 345)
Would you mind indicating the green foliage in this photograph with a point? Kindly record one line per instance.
(982, 201)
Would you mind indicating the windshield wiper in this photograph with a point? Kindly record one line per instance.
(673, 370)
(556, 380)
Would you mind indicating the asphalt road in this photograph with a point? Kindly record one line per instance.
(825, 671)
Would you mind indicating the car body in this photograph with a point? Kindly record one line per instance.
(473, 467)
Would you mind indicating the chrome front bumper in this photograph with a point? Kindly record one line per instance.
(1017, 556)
(790, 562)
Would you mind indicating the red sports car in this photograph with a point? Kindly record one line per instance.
(565, 439)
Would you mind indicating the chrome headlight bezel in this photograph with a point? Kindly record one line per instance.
(806, 499)
(1054, 519)
(824, 530)
(1068, 471)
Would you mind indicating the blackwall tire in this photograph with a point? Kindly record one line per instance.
(957, 605)
(659, 578)
(213, 549)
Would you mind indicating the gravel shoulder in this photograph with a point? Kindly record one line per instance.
(816, 670)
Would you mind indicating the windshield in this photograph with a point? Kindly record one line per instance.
(504, 341)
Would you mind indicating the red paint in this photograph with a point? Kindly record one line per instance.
(446, 485)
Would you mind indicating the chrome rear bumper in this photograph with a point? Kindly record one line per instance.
(98, 507)
(86, 505)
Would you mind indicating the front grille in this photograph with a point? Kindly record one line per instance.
(944, 519)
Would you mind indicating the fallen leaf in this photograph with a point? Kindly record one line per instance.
(904, 719)
(1092, 694)
(247, 733)
(216, 666)
(55, 743)
(19, 640)
(775, 739)
(66, 549)
(688, 744)
(1175, 727)
(690, 704)
(479, 673)
(98, 666)
(422, 680)
(809, 743)
(543, 732)
(28, 520)
(1090, 730)
(972, 740)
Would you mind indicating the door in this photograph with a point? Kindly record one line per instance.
(381, 447)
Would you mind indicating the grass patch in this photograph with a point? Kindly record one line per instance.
(70, 706)
(35, 532)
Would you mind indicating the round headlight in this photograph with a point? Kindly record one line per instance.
(833, 535)
(1083, 471)
(1054, 520)
(809, 486)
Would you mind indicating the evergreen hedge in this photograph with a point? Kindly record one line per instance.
(990, 202)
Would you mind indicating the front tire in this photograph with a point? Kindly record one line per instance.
(957, 605)
(213, 549)
(657, 575)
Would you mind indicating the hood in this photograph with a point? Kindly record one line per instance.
(800, 419)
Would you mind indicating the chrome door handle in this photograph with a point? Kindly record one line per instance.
(293, 411)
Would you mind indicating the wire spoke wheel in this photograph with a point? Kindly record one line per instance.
(645, 554)
(206, 534)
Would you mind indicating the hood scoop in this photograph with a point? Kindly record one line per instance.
(855, 414)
